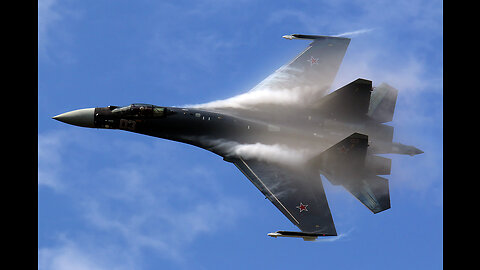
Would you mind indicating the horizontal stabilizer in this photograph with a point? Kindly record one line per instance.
(373, 192)
(305, 236)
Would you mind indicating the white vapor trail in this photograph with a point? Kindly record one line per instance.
(353, 33)
(275, 153)
(335, 238)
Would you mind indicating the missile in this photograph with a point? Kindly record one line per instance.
(289, 37)
(304, 235)
(312, 37)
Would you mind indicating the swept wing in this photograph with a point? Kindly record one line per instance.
(310, 73)
(300, 83)
(299, 195)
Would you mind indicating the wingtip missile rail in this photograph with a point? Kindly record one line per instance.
(309, 37)
(304, 235)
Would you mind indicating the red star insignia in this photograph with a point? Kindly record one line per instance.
(313, 61)
(302, 207)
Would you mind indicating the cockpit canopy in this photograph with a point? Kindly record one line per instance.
(138, 110)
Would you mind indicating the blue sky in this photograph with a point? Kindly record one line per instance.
(118, 200)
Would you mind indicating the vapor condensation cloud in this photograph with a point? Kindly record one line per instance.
(282, 87)
(276, 153)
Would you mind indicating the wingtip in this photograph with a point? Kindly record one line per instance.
(311, 37)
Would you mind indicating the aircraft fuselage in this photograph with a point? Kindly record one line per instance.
(208, 130)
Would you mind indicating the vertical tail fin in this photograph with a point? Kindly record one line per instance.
(382, 103)
(347, 163)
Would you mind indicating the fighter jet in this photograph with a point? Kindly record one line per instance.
(285, 133)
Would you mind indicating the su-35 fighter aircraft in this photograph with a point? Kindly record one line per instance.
(284, 133)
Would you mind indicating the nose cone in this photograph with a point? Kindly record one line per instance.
(82, 117)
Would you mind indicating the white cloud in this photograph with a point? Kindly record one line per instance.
(68, 255)
(47, 16)
(200, 49)
(164, 217)
(307, 22)
(131, 201)
(50, 146)
(53, 35)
